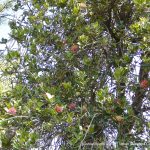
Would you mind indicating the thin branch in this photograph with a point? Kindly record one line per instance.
(14, 118)
(87, 132)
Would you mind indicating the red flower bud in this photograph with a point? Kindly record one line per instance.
(74, 48)
(58, 109)
(72, 106)
(144, 84)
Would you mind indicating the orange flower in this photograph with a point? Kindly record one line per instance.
(72, 106)
(74, 48)
(12, 111)
(144, 84)
(58, 109)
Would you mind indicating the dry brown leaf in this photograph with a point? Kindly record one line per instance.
(118, 118)
(82, 6)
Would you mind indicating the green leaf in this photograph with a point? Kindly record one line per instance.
(67, 85)
(75, 10)
(139, 2)
(69, 55)
(12, 55)
(102, 94)
(69, 118)
(83, 38)
(91, 129)
(120, 72)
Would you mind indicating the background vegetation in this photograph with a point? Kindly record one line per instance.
(80, 75)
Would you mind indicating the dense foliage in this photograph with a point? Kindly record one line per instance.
(82, 75)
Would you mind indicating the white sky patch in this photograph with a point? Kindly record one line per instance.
(4, 26)
(4, 33)
(136, 64)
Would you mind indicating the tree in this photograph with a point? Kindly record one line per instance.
(75, 74)
(4, 6)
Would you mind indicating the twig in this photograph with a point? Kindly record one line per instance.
(14, 118)
(87, 131)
